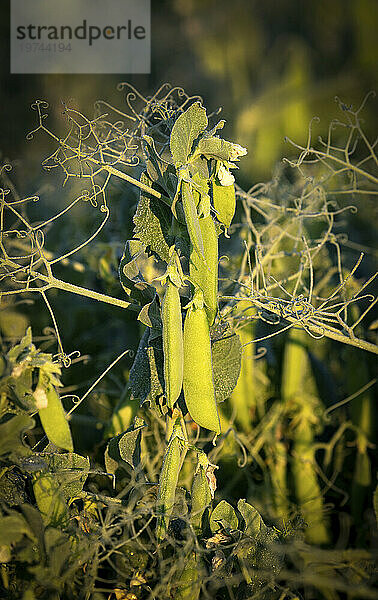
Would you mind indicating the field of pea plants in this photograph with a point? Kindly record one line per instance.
(187, 368)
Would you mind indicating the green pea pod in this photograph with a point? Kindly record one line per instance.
(173, 348)
(167, 486)
(54, 420)
(200, 493)
(224, 202)
(198, 372)
(191, 219)
(205, 276)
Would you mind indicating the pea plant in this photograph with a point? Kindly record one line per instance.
(196, 390)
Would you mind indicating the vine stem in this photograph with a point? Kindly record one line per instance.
(322, 331)
(76, 289)
(136, 182)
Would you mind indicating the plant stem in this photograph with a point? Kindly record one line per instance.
(138, 183)
(76, 289)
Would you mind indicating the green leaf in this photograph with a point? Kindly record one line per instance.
(49, 499)
(254, 525)
(11, 434)
(224, 202)
(130, 276)
(146, 374)
(63, 479)
(59, 550)
(12, 528)
(22, 349)
(122, 416)
(13, 486)
(70, 471)
(152, 223)
(223, 517)
(150, 317)
(185, 131)
(125, 447)
(155, 166)
(226, 357)
(215, 147)
(54, 420)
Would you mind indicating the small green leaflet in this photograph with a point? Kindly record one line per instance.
(215, 147)
(11, 434)
(254, 525)
(130, 276)
(152, 223)
(125, 447)
(223, 517)
(226, 357)
(70, 471)
(185, 131)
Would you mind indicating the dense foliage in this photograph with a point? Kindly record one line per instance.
(122, 491)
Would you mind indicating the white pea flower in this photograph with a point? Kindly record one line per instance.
(224, 176)
(40, 397)
(237, 151)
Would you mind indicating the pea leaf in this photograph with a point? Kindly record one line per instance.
(19, 351)
(226, 357)
(12, 528)
(130, 276)
(70, 471)
(155, 166)
(254, 525)
(151, 317)
(146, 374)
(223, 517)
(185, 131)
(214, 147)
(125, 447)
(50, 501)
(152, 223)
(258, 546)
(11, 432)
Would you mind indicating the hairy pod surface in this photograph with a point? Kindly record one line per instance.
(191, 219)
(173, 346)
(54, 420)
(205, 276)
(198, 372)
(167, 486)
(201, 497)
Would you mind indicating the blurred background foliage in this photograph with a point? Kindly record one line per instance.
(270, 65)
